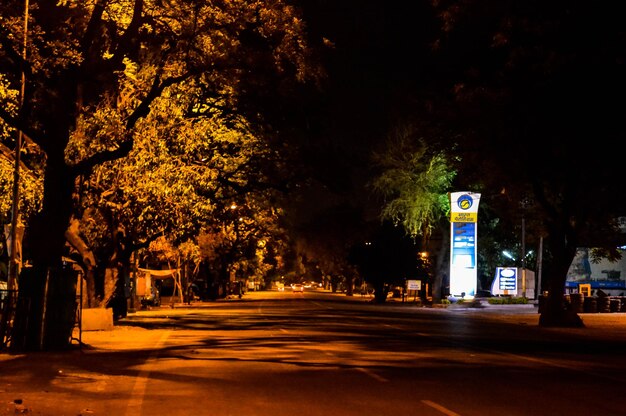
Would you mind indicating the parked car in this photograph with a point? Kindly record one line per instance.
(297, 287)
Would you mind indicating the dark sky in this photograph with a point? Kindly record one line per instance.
(376, 66)
(378, 58)
(375, 69)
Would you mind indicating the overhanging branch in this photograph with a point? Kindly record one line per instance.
(155, 92)
(18, 124)
(85, 166)
(21, 65)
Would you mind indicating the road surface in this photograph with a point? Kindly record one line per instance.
(314, 353)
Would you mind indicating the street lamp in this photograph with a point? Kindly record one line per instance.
(508, 255)
(523, 255)
(236, 219)
(524, 204)
(235, 250)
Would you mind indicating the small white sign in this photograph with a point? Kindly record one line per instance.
(414, 284)
(505, 282)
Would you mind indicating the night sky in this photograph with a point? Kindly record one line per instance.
(378, 64)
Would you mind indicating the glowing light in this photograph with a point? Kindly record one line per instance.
(508, 255)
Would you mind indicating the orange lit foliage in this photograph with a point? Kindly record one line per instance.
(95, 70)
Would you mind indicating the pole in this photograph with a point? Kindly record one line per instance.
(44, 310)
(133, 283)
(15, 209)
(523, 256)
(539, 263)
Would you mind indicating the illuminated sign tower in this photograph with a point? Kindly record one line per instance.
(463, 243)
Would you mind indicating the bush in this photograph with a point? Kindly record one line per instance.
(508, 300)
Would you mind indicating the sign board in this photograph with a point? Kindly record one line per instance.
(610, 276)
(585, 289)
(464, 207)
(505, 282)
(509, 281)
(414, 285)
(463, 243)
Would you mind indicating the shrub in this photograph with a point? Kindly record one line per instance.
(508, 300)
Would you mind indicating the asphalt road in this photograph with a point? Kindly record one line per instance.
(294, 354)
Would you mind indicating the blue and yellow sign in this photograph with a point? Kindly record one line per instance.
(463, 250)
(464, 207)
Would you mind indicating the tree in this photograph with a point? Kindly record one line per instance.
(535, 93)
(182, 166)
(388, 259)
(322, 241)
(243, 240)
(111, 59)
(30, 184)
(414, 181)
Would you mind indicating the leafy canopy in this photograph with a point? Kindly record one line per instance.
(414, 181)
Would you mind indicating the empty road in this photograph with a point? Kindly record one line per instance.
(315, 353)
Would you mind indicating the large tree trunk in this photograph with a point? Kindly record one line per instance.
(381, 291)
(555, 313)
(439, 247)
(88, 262)
(117, 278)
(121, 267)
(47, 298)
(442, 266)
(349, 285)
(46, 310)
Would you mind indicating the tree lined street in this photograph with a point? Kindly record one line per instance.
(338, 130)
(313, 353)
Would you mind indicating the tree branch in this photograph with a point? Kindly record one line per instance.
(85, 165)
(9, 155)
(94, 23)
(143, 109)
(132, 30)
(17, 123)
(14, 56)
(72, 235)
(134, 246)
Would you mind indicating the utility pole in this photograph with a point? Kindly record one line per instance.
(6, 323)
(523, 255)
(524, 204)
(539, 266)
(15, 209)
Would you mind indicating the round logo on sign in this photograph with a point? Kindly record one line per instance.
(465, 202)
(507, 273)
